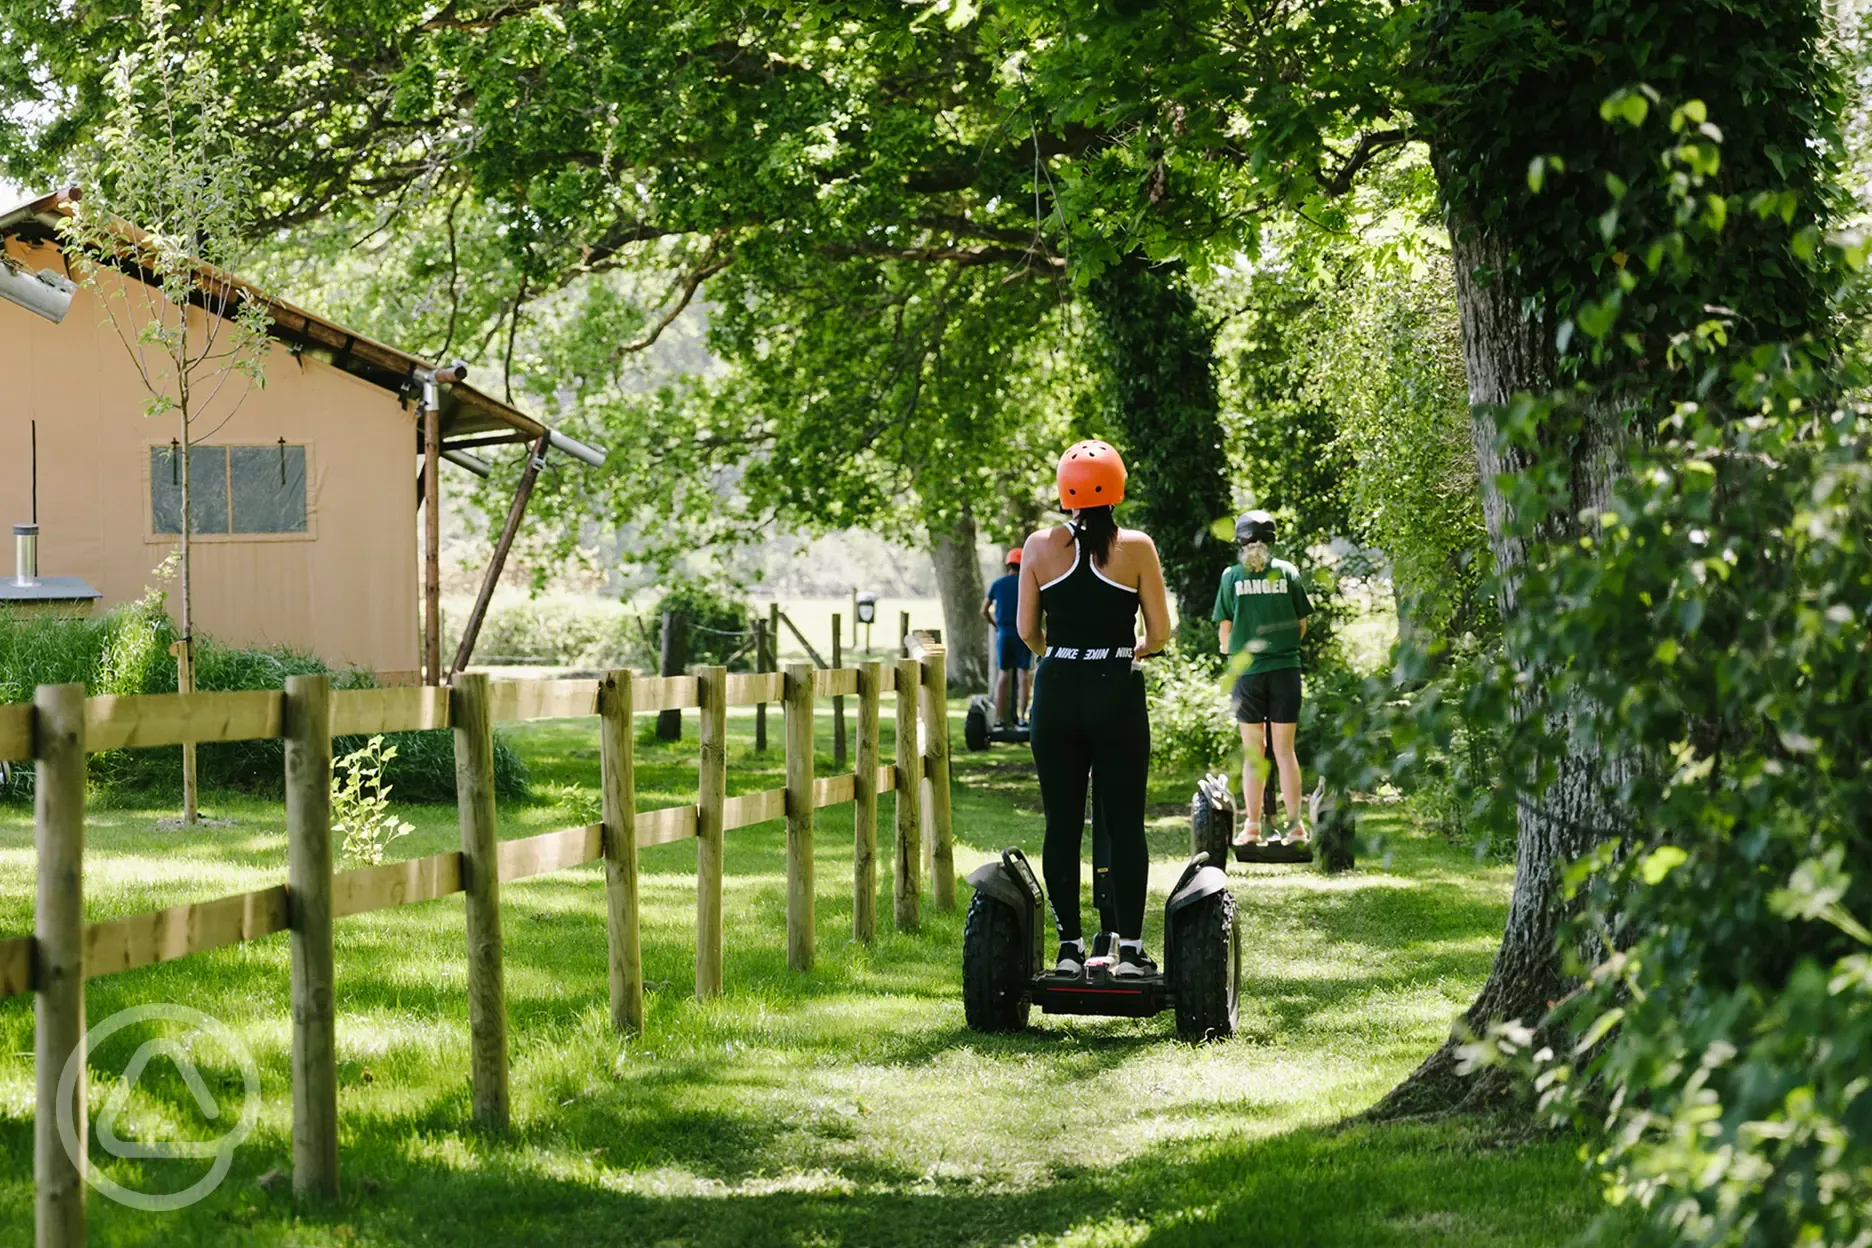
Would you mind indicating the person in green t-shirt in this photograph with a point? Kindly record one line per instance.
(1262, 609)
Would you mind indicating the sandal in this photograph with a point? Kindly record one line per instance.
(1249, 835)
(1297, 835)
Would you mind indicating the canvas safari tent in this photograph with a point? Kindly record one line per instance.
(304, 499)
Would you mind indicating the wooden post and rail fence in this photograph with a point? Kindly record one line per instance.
(62, 726)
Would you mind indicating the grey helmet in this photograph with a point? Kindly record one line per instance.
(1254, 526)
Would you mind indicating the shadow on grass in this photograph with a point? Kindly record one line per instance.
(850, 1106)
(1472, 1184)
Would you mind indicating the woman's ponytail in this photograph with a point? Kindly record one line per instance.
(1097, 530)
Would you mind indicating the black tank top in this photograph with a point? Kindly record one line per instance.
(1087, 615)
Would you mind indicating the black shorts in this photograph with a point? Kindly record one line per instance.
(1270, 697)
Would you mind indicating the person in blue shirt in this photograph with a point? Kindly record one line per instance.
(1001, 609)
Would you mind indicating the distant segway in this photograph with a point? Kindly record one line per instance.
(980, 727)
(1212, 827)
(1005, 972)
(1213, 823)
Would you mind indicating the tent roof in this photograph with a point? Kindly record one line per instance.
(468, 414)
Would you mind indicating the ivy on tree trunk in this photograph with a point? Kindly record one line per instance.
(1165, 412)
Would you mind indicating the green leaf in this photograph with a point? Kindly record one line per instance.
(1660, 862)
(1626, 105)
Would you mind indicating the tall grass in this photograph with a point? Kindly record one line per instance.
(126, 651)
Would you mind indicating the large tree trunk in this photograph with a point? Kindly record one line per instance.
(959, 581)
(1160, 370)
(1508, 352)
(1524, 260)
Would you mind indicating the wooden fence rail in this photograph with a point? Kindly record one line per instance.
(62, 726)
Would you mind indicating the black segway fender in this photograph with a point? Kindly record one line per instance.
(998, 882)
(1199, 880)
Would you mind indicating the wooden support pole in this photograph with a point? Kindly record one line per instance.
(909, 903)
(469, 712)
(817, 658)
(307, 733)
(903, 634)
(711, 797)
(942, 834)
(760, 665)
(838, 703)
(432, 544)
(674, 659)
(865, 804)
(58, 973)
(471, 630)
(618, 789)
(184, 651)
(799, 816)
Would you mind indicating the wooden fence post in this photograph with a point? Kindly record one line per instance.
(711, 797)
(760, 665)
(838, 701)
(471, 715)
(799, 816)
(618, 789)
(674, 659)
(307, 733)
(909, 783)
(58, 972)
(865, 805)
(942, 837)
(903, 634)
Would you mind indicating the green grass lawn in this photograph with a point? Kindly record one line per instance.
(848, 1106)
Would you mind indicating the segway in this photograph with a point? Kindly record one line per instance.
(1212, 827)
(1212, 821)
(1005, 971)
(980, 728)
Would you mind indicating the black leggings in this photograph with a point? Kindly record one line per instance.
(1090, 724)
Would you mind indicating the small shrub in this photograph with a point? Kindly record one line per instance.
(361, 803)
(126, 651)
(563, 630)
(719, 625)
(1192, 724)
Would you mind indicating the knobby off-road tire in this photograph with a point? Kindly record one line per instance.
(994, 967)
(1211, 829)
(1206, 969)
(1335, 842)
(975, 726)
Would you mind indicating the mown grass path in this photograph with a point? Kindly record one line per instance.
(849, 1106)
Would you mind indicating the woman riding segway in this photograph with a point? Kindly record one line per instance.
(1082, 586)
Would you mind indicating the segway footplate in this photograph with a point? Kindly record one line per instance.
(1097, 992)
(1275, 852)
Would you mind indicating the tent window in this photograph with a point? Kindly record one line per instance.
(207, 489)
(269, 489)
(234, 489)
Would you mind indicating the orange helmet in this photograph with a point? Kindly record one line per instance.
(1091, 475)
(1014, 558)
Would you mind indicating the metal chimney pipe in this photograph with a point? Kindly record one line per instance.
(26, 554)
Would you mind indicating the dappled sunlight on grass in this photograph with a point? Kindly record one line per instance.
(848, 1106)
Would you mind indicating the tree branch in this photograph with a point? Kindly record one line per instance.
(447, 20)
(709, 267)
(1370, 144)
(962, 257)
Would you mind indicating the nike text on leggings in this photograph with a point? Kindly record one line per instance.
(1090, 725)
